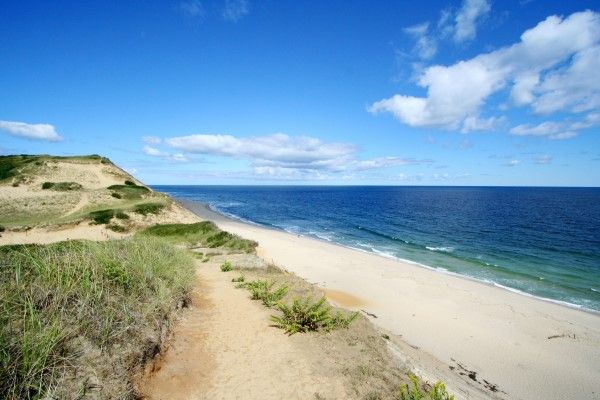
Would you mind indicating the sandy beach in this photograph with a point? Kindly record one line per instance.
(455, 329)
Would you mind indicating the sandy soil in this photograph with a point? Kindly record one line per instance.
(512, 345)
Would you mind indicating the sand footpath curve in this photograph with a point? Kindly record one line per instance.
(522, 347)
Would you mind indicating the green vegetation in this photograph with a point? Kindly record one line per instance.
(121, 215)
(10, 166)
(239, 280)
(203, 233)
(305, 316)
(15, 165)
(148, 208)
(101, 216)
(263, 290)
(61, 186)
(226, 266)
(116, 195)
(416, 392)
(116, 228)
(129, 192)
(62, 299)
(130, 183)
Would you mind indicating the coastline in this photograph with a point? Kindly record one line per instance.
(522, 346)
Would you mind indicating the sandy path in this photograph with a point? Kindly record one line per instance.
(223, 348)
(528, 347)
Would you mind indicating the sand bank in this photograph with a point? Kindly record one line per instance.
(517, 346)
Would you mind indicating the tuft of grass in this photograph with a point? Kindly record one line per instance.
(304, 315)
(226, 266)
(116, 228)
(239, 280)
(148, 208)
(61, 186)
(415, 391)
(116, 195)
(59, 297)
(121, 215)
(10, 166)
(205, 233)
(101, 216)
(263, 290)
(130, 183)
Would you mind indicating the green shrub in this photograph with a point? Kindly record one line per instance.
(226, 266)
(263, 290)
(116, 195)
(130, 183)
(10, 166)
(61, 186)
(416, 392)
(62, 299)
(101, 216)
(148, 208)
(116, 228)
(129, 192)
(2, 229)
(121, 215)
(239, 279)
(205, 233)
(304, 315)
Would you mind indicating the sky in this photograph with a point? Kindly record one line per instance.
(465, 92)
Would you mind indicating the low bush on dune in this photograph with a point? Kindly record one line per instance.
(263, 290)
(63, 299)
(204, 233)
(61, 186)
(226, 266)
(304, 315)
(101, 216)
(148, 208)
(129, 192)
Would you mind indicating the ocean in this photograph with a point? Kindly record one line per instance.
(543, 242)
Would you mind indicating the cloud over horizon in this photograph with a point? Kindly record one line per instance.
(553, 68)
(45, 132)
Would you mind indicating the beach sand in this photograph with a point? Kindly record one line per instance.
(455, 329)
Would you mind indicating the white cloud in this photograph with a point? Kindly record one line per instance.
(425, 45)
(513, 163)
(557, 130)
(31, 131)
(154, 152)
(192, 8)
(543, 159)
(235, 9)
(273, 154)
(532, 68)
(471, 12)
(151, 139)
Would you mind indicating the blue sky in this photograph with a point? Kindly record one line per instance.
(470, 92)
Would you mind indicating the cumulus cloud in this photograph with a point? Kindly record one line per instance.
(234, 10)
(460, 25)
(154, 152)
(557, 130)
(31, 131)
(274, 154)
(550, 69)
(471, 12)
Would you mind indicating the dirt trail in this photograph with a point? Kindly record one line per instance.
(224, 348)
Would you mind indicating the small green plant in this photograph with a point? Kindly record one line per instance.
(61, 186)
(116, 195)
(304, 315)
(416, 392)
(226, 266)
(148, 208)
(239, 279)
(47, 185)
(121, 215)
(130, 183)
(262, 290)
(2, 229)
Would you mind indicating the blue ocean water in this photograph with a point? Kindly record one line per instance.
(540, 241)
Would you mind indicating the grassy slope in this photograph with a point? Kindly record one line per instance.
(20, 170)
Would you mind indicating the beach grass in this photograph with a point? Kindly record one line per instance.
(415, 391)
(61, 186)
(58, 298)
(204, 233)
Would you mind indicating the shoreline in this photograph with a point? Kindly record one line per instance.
(523, 346)
(234, 218)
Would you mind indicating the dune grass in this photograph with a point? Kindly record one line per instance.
(415, 391)
(61, 186)
(203, 233)
(55, 297)
(148, 208)
(129, 191)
